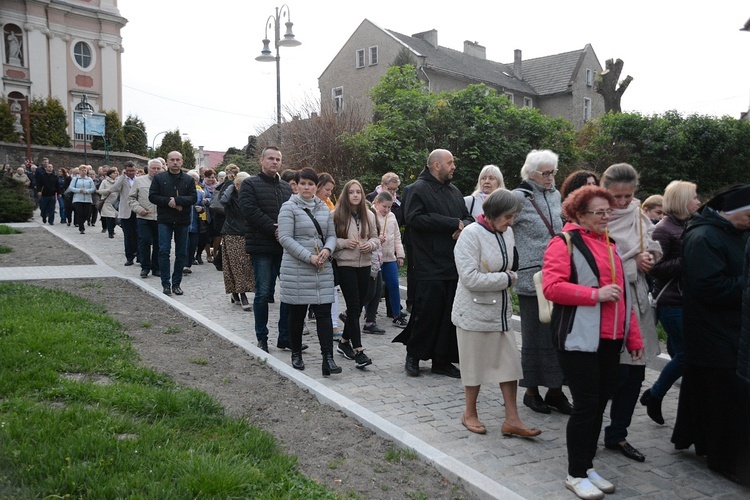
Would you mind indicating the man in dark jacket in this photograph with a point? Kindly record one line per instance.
(435, 215)
(173, 193)
(46, 186)
(260, 199)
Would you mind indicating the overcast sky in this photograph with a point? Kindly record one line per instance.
(194, 68)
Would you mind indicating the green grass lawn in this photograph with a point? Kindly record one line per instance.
(80, 417)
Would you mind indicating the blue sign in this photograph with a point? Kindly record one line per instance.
(94, 124)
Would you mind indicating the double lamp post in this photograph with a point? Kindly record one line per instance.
(274, 22)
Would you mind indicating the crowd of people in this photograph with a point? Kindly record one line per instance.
(615, 269)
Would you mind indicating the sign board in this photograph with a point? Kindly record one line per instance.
(94, 124)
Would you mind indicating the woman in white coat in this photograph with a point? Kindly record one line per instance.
(485, 259)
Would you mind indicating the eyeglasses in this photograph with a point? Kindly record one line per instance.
(547, 174)
(601, 213)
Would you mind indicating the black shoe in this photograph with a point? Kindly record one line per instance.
(345, 349)
(536, 403)
(653, 406)
(446, 369)
(104, 230)
(144, 273)
(112, 236)
(199, 261)
(342, 317)
(235, 298)
(155, 273)
(297, 362)
(167, 290)
(329, 365)
(82, 231)
(288, 345)
(129, 262)
(177, 290)
(263, 344)
(44, 221)
(627, 450)
(361, 360)
(559, 402)
(187, 270)
(412, 365)
(373, 328)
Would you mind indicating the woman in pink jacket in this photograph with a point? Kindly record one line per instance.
(592, 321)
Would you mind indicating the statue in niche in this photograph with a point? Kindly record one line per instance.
(13, 48)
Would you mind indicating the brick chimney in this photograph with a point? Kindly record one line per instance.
(475, 50)
(517, 64)
(428, 36)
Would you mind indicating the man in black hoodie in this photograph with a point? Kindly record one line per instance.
(47, 192)
(173, 193)
(435, 215)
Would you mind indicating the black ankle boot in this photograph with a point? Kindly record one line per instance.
(297, 361)
(653, 406)
(329, 365)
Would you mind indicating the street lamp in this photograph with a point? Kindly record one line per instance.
(86, 111)
(107, 146)
(265, 54)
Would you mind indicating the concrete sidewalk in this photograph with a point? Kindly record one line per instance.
(421, 413)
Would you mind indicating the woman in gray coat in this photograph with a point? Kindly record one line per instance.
(537, 222)
(307, 234)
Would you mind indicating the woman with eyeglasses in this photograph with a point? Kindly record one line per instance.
(593, 320)
(538, 221)
(632, 230)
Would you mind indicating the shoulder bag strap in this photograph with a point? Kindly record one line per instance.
(317, 226)
(541, 214)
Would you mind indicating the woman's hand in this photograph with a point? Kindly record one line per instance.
(637, 354)
(382, 238)
(610, 293)
(513, 277)
(351, 244)
(644, 261)
(365, 247)
(400, 261)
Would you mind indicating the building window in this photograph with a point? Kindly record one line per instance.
(589, 78)
(13, 38)
(527, 102)
(510, 97)
(373, 55)
(82, 54)
(360, 59)
(338, 99)
(586, 109)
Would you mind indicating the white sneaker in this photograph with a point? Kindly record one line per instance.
(600, 482)
(583, 488)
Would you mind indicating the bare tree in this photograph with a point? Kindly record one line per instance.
(606, 85)
(315, 141)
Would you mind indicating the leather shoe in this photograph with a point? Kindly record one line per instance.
(446, 369)
(144, 274)
(297, 362)
(128, 262)
(511, 430)
(412, 366)
(559, 402)
(536, 403)
(627, 450)
(177, 290)
(653, 406)
(167, 290)
(475, 428)
(288, 345)
(263, 345)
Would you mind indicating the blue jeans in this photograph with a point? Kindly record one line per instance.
(671, 320)
(390, 279)
(148, 244)
(266, 269)
(61, 204)
(180, 233)
(47, 208)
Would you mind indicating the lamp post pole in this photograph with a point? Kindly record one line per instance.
(274, 22)
(86, 112)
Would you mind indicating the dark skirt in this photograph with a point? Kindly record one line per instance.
(539, 358)
(712, 415)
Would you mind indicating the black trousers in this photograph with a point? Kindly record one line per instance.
(323, 322)
(353, 282)
(81, 214)
(592, 377)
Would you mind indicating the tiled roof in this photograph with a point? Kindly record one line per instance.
(542, 76)
(551, 74)
(458, 63)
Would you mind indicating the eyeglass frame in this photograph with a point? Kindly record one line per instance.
(547, 175)
(601, 213)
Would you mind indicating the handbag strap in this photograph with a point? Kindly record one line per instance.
(541, 214)
(656, 300)
(317, 226)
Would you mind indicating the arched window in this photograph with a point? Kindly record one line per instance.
(82, 54)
